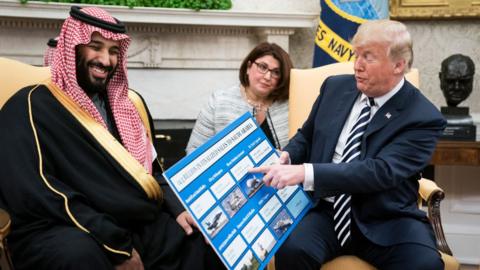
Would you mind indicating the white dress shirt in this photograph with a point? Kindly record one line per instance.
(308, 184)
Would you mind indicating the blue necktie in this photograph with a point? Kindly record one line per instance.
(351, 152)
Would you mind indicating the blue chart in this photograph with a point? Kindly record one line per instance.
(244, 220)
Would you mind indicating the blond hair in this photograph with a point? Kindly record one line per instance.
(394, 33)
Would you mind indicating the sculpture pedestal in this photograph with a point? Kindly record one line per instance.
(460, 125)
(459, 133)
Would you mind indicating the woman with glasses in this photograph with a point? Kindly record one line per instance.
(263, 90)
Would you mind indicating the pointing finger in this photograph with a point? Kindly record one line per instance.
(262, 169)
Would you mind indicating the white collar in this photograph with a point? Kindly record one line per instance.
(379, 101)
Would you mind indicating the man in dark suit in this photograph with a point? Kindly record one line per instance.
(360, 153)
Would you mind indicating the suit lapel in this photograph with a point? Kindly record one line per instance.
(389, 111)
(341, 112)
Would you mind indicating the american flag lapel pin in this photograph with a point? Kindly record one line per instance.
(388, 115)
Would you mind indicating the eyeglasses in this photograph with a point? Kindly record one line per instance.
(263, 68)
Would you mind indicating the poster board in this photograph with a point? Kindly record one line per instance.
(244, 220)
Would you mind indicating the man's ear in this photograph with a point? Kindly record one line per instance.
(399, 66)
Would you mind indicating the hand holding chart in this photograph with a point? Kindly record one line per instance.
(244, 220)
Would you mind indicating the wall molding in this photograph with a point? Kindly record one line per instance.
(59, 11)
(175, 53)
(190, 29)
(186, 30)
(29, 23)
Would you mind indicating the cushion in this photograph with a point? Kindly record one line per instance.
(15, 75)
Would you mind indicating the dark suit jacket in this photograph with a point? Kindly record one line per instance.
(396, 146)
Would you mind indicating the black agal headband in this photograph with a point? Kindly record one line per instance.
(52, 43)
(76, 13)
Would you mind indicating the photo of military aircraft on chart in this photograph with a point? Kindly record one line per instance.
(251, 184)
(214, 221)
(234, 201)
(281, 223)
(264, 244)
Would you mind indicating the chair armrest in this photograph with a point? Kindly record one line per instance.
(5, 261)
(4, 224)
(433, 195)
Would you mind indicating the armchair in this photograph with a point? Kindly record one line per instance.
(304, 89)
(14, 75)
(5, 262)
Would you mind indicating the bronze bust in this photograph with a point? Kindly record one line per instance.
(456, 78)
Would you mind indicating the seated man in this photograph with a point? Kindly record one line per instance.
(78, 172)
(360, 153)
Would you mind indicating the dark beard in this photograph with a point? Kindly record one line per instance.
(95, 86)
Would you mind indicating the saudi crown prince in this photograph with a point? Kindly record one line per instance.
(79, 174)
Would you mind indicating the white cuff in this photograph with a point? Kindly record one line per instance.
(308, 184)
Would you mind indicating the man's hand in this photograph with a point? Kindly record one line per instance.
(186, 222)
(280, 176)
(134, 263)
(284, 158)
